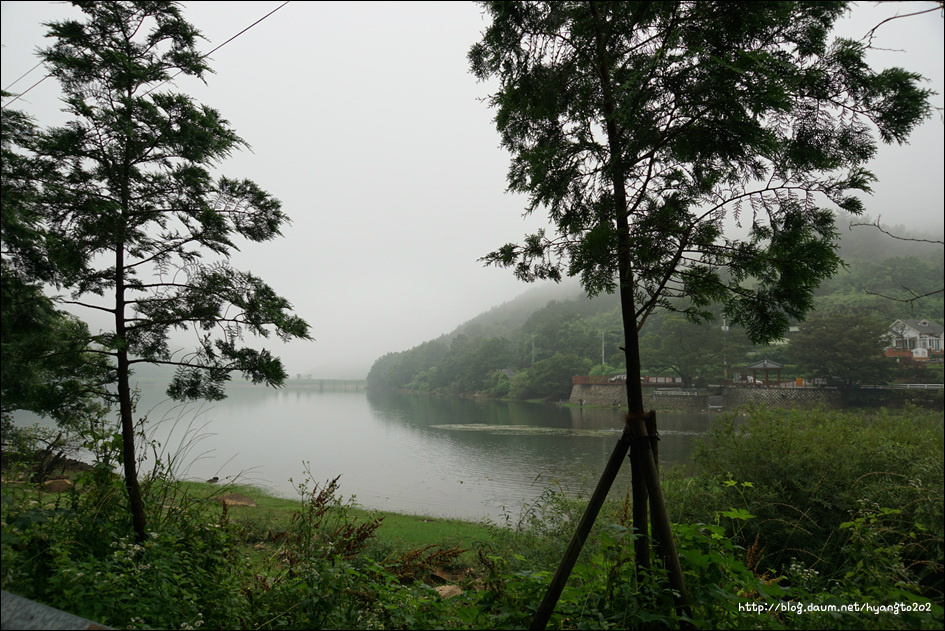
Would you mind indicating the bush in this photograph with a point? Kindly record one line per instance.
(810, 473)
(78, 554)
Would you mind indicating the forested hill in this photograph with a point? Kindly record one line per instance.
(530, 347)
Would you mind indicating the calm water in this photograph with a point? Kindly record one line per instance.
(438, 456)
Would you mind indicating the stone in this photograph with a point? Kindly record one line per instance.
(448, 591)
(57, 486)
(235, 499)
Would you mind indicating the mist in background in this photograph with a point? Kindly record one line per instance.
(364, 121)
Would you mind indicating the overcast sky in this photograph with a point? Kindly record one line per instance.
(365, 122)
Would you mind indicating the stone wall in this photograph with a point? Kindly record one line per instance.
(683, 399)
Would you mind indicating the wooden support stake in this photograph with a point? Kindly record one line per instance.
(641, 544)
(642, 461)
(547, 606)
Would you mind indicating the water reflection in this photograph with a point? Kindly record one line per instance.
(515, 447)
(410, 453)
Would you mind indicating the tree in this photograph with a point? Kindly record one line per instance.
(549, 378)
(846, 350)
(691, 350)
(642, 126)
(128, 201)
(469, 361)
(47, 367)
(557, 328)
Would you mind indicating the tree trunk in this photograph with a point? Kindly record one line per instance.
(126, 408)
(645, 480)
(125, 404)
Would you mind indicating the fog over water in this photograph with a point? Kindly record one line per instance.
(364, 120)
(442, 456)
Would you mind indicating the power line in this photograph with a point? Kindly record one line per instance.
(23, 75)
(18, 96)
(246, 29)
(220, 46)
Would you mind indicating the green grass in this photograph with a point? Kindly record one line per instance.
(398, 532)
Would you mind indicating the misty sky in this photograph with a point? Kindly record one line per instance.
(365, 122)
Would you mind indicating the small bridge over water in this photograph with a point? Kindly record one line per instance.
(349, 385)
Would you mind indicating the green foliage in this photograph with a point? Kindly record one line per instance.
(37, 453)
(148, 197)
(325, 580)
(324, 570)
(886, 288)
(810, 474)
(558, 329)
(641, 126)
(498, 384)
(549, 378)
(691, 351)
(843, 349)
(469, 361)
(76, 555)
(189, 572)
(606, 370)
(669, 344)
(911, 370)
(124, 189)
(48, 367)
(396, 370)
(543, 527)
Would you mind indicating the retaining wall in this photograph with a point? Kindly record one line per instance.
(667, 399)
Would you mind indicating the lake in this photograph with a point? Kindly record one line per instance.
(438, 456)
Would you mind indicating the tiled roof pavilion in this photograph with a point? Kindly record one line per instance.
(766, 365)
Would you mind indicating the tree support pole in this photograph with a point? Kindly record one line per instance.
(635, 433)
(651, 441)
(547, 606)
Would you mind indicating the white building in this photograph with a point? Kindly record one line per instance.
(912, 335)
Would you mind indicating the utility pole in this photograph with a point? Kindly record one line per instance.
(602, 353)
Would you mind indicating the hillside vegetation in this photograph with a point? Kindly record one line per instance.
(531, 346)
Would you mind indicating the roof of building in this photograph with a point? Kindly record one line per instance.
(765, 364)
(927, 327)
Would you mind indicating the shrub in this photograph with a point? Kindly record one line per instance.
(78, 555)
(811, 472)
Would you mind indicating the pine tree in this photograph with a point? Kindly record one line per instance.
(136, 226)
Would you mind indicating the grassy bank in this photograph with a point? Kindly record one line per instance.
(272, 516)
